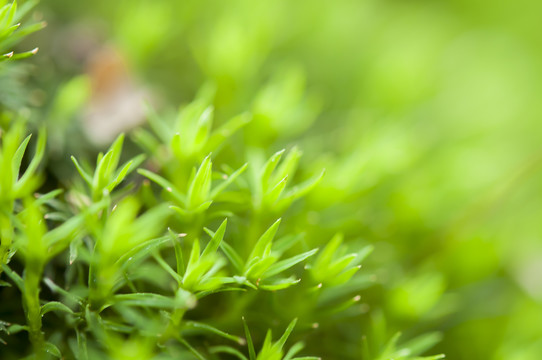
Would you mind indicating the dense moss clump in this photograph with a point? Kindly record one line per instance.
(267, 180)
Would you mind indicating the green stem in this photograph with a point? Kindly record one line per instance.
(6, 238)
(32, 277)
(96, 287)
(92, 286)
(100, 282)
(172, 330)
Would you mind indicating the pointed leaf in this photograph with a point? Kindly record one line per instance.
(147, 300)
(52, 349)
(165, 184)
(280, 343)
(326, 255)
(279, 284)
(288, 263)
(57, 289)
(204, 126)
(55, 306)
(288, 166)
(251, 351)
(158, 125)
(211, 329)
(18, 158)
(34, 163)
(227, 350)
(217, 190)
(272, 195)
(297, 347)
(232, 256)
(269, 166)
(227, 130)
(213, 245)
(200, 186)
(25, 54)
(13, 276)
(300, 190)
(141, 251)
(265, 240)
(82, 172)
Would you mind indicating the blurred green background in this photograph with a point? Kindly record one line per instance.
(426, 115)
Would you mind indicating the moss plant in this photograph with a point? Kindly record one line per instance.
(187, 251)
